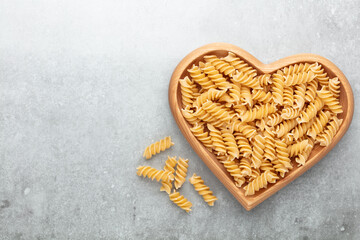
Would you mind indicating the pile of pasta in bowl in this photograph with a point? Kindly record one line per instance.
(259, 126)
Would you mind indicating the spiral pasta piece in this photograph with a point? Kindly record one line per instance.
(301, 129)
(181, 171)
(282, 154)
(212, 95)
(285, 127)
(243, 144)
(279, 167)
(261, 96)
(318, 125)
(264, 79)
(153, 173)
(189, 115)
(297, 148)
(170, 164)
(299, 78)
(202, 136)
(297, 68)
(215, 76)
(303, 157)
(274, 119)
(334, 87)
(331, 129)
(267, 166)
(330, 100)
(203, 190)
(217, 140)
(187, 93)
(181, 201)
(269, 150)
(257, 156)
(311, 110)
(261, 124)
(206, 117)
(233, 169)
(311, 88)
(217, 111)
(288, 96)
(290, 113)
(246, 97)
(278, 87)
(258, 112)
(239, 64)
(244, 128)
(299, 96)
(199, 77)
(157, 147)
(320, 74)
(220, 65)
(255, 172)
(246, 80)
(260, 182)
(245, 167)
(230, 144)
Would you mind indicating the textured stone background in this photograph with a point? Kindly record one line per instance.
(83, 89)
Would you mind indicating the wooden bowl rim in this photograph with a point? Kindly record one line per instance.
(210, 160)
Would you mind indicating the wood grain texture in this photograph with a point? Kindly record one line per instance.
(221, 50)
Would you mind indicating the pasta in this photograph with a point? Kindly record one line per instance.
(330, 100)
(214, 75)
(203, 190)
(245, 167)
(243, 145)
(218, 112)
(299, 96)
(259, 125)
(258, 151)
(299, 78)
(217, 140)
(288, 96)
(302, 157)
(153, 173)
(202, 136)
(297, 148)
(187, 93)
(318, 125)
(230, 144)
(211, 95)
(278, 87)
(325, 137)
(220, 65)
(199, 77)
(181, 201)
(334, 87)
(181, 171)
(297, 68)
(310, 92)
(260, 182)
(234, 170)
(261, 96)
(157, 147)
(170, 163)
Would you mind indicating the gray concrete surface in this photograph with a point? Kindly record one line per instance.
(83, 89)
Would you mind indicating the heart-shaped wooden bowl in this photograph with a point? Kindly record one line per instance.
(221, 50)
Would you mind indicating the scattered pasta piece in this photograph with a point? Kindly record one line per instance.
(181, 201)
(157, 147)
(203, 190)
(170, 164)
(153, 173)
(181, 171)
